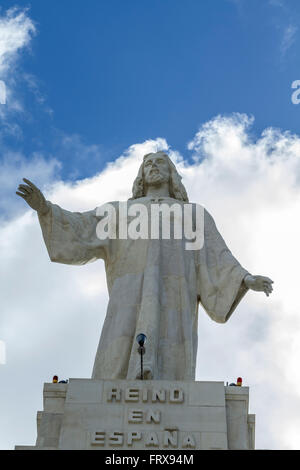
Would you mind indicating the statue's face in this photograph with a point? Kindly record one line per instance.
(156, 169)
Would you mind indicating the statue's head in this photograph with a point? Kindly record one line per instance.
(157, 168)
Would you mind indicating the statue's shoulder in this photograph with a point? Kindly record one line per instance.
(206, 216)
(199, 205)
(114, 204)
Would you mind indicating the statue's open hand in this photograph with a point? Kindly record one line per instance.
(259, 283)
(33, 196)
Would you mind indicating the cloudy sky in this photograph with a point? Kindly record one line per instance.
(90, 87)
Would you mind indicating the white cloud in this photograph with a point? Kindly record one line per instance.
(52, 314)
(16, 32)
(277, 3)
(288, 38)
(2, 92)
(253, 190)
(286, 25)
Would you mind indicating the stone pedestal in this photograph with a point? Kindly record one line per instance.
(149, 414)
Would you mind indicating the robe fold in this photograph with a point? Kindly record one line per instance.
(155, 287)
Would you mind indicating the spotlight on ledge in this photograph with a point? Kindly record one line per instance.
(141, 339)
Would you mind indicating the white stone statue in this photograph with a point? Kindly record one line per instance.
(155, 285)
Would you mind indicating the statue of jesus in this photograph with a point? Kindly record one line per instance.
(155, 285)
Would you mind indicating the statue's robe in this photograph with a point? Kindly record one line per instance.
(155, 287)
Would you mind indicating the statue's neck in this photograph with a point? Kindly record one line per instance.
(161, 190)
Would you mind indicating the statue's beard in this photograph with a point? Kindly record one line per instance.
(156, 179)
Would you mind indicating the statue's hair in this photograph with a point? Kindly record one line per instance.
(176, 188)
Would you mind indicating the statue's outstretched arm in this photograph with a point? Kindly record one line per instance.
(259, 283)
(33, 196)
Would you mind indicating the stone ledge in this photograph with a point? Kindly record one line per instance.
(144, 414)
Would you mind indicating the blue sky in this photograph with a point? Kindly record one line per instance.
(91, 87)
(119, 72)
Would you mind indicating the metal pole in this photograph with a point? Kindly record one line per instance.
(141, 350)
(142, 375)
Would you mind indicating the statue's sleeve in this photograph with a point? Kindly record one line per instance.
(70, 237)
(220, 275)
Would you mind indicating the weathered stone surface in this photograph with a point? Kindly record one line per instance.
(149, 414)
(240, 425)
